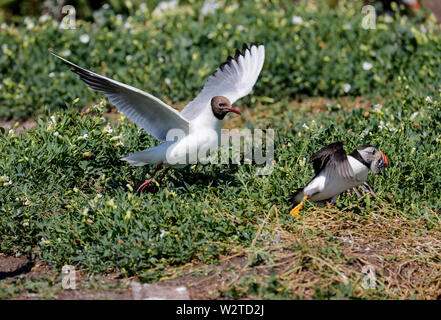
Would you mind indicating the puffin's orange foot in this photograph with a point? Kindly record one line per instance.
(297, 208)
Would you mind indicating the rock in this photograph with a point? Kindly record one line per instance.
(157, 292)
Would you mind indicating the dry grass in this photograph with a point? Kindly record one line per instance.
(324, 251)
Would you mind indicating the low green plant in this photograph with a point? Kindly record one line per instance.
(311, 50)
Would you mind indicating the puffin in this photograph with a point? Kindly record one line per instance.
(336, 171)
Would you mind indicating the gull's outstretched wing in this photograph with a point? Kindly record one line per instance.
(334, 158)
(234, 79)
(147, 111)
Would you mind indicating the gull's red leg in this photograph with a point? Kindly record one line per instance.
(145, 184)
(163, 174)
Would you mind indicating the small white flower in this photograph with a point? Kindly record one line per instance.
(413, 116)
(29, 23)
(44, 18)
(364, 133)
(11, 131)
(388, 19)
(428, 99)
(66, 52)
(17, 199)
(164, 6)
(51, 75)
(56, 133)
(84, 38)
(25, 224)
(377, 106)
(27, 202)
(85, 136)
(127, 25)
(128, 57)
(106, 6)
(109, 130)
(367, 66)
(10, 182)
(53, 118)
(162, 234)
(346, 87)
(161, 59)
(209, 7)
(240, 28)
(305, 126)
(167, 81)
(99, 195)
(297, 20)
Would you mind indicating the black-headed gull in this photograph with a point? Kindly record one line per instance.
(336, 171)
(200, 122)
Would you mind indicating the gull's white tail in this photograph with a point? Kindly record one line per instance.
(153, 155)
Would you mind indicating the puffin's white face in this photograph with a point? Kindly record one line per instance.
(374, 157)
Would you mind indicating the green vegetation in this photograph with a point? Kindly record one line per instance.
(320, 56)
(66, 197)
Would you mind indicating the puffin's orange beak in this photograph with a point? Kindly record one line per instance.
(385, 160)
(383, 164)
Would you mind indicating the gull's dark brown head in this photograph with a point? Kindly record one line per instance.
(221, 106)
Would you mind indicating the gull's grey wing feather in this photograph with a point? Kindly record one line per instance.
(147, 111)
(234, 79)
(335, 158)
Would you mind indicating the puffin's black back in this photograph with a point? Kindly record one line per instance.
(333, 151)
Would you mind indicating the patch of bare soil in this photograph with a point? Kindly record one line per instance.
(435, 7)
(28, 280)
(261, 115)
(22, 127)
(12, 266)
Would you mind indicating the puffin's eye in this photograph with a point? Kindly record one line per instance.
(373, 152)
(222, 104)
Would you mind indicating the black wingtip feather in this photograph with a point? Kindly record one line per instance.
(89, 78)
(237, 54)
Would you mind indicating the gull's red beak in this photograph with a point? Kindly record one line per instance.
(234, 110)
